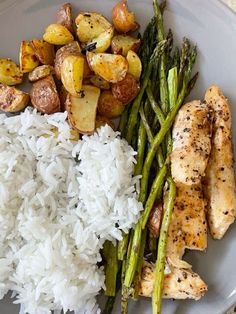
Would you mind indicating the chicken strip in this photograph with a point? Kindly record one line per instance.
(178, 283)
(191, 143)
(219, 183)
(188, 227)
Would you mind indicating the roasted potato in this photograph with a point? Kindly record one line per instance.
(72, 70)
(98, 81)
(125, 90)
(72, 48)
(28, 59)
(110, 67)
(87, 71)
(40, 72)
(12, 99)
(121, 44)
(109, 106)
(44, 95)
(82, 109)
(44, 51)
(64, 16)
(155, 218)
(63, 96)
(10, 73)
(103, 41)
(135, 64)
(90, 25)
(123, 20)
(101, 121)
(57, 34)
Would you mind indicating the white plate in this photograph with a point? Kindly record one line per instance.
(213, 27)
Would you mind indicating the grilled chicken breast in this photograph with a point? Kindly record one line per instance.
(188, 227)
(191, 143)
(219, 183)
(178, 283)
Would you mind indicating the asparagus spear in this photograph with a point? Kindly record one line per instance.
(136, 104)
(111, 268)
(165, 127)
(173, 86)
(160, 263)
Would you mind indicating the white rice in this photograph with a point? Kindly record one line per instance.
(56, 213)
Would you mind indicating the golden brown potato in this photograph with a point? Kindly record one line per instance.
(123, 20)
(110, 67)
(28, 59)
(125, 90)
(44, 96)
(109, 106)
(40, 72)
(12, 99)
(72, 70)
(43, 51)
(64, 16)
(57, 34)
(121, 44)
(101, 121)
(135, 64)
(10, 73)
(87, 71)
(63, 96)
(90, 25)
(82, 109)
(72, 48)
(98, 81)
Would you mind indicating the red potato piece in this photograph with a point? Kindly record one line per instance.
(155, 218)
(44, 96)
(126, 90)
(64, 16)
(123, 20)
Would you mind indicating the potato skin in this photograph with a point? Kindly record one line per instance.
(72, 48)
(121, 44)
(63, 96)
(10, 73)
(40, 72)
(44, 96)
(126, 90)
(123, 20)
(12, 99)
(109, 106)
(44, 51)
(64, 16)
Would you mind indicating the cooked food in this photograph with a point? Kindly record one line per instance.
(109, 106)
(28, 59)
(59, 235)
(57, 34)
(191, 143)
(155, 218)
(72, 70)
(124, 20)
(44, 95)
(44, 51)
(72, 49)
(219, 183)
(112, 68)
(12, 99)
(125, 90)
(98, 81)
(121, 44)
(64, 16)
(90, 25)
(10, 73)
(178, 283)
(82, 109)
(135, 64)
(102, 121)
(188, 227)
(40, 72)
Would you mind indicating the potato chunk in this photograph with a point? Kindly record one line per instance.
(40, 72)
(112, 68)
(57, 34)
(109, 106)
(64, 16)
(12, 99)
(82, 109)
(10, 73)
(123, 20)
(44, 51)
(121, 44)
(28, 59)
